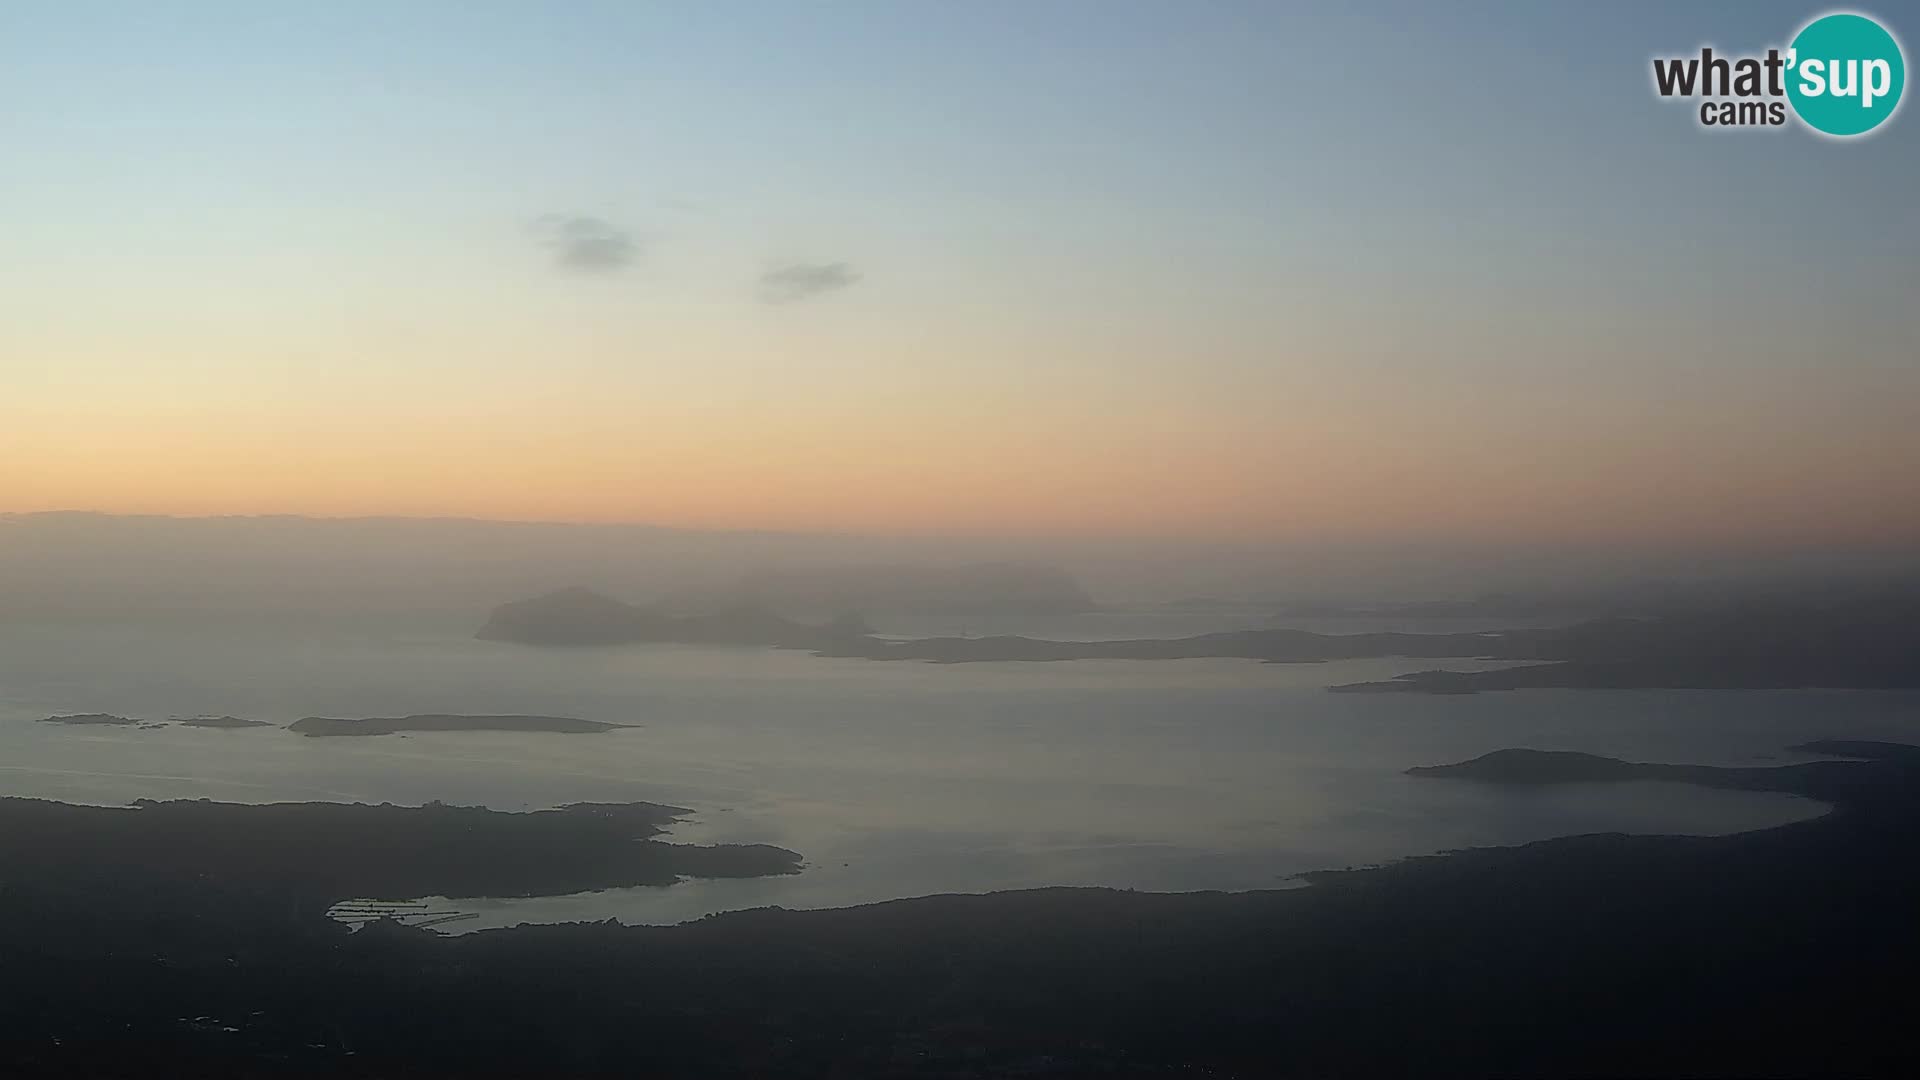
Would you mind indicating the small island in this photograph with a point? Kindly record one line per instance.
(321, 727)
(230, 723)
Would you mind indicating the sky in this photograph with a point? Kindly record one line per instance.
(1246, 271)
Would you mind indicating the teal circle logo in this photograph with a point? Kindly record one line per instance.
(1845, 74)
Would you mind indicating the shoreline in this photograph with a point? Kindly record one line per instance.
(1780, 950)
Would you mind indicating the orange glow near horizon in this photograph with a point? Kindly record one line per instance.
(963, 470)
(946, 419)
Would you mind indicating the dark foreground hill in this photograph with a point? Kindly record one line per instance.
(1786, 952)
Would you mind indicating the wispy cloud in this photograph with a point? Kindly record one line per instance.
(804, 281)
(587, 244)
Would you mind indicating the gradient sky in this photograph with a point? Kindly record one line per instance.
(1207, 269)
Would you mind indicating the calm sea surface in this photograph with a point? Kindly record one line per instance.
(892, 779)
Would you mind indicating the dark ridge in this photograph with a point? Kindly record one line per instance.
(90, 718)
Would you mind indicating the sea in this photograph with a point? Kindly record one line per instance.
(892, 779)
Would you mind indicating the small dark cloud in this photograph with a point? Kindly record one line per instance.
(804, 281)
(587, 244)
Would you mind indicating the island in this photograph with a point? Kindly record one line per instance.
(84, 719)
(110, 720)
(229, 723)
(1828, 781)
(323, 727)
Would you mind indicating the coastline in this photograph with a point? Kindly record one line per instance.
(1405, 967)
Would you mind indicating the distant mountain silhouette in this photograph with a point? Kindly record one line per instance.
(574, 617)
(579, 616)
(1852, 642)
(973, 589)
